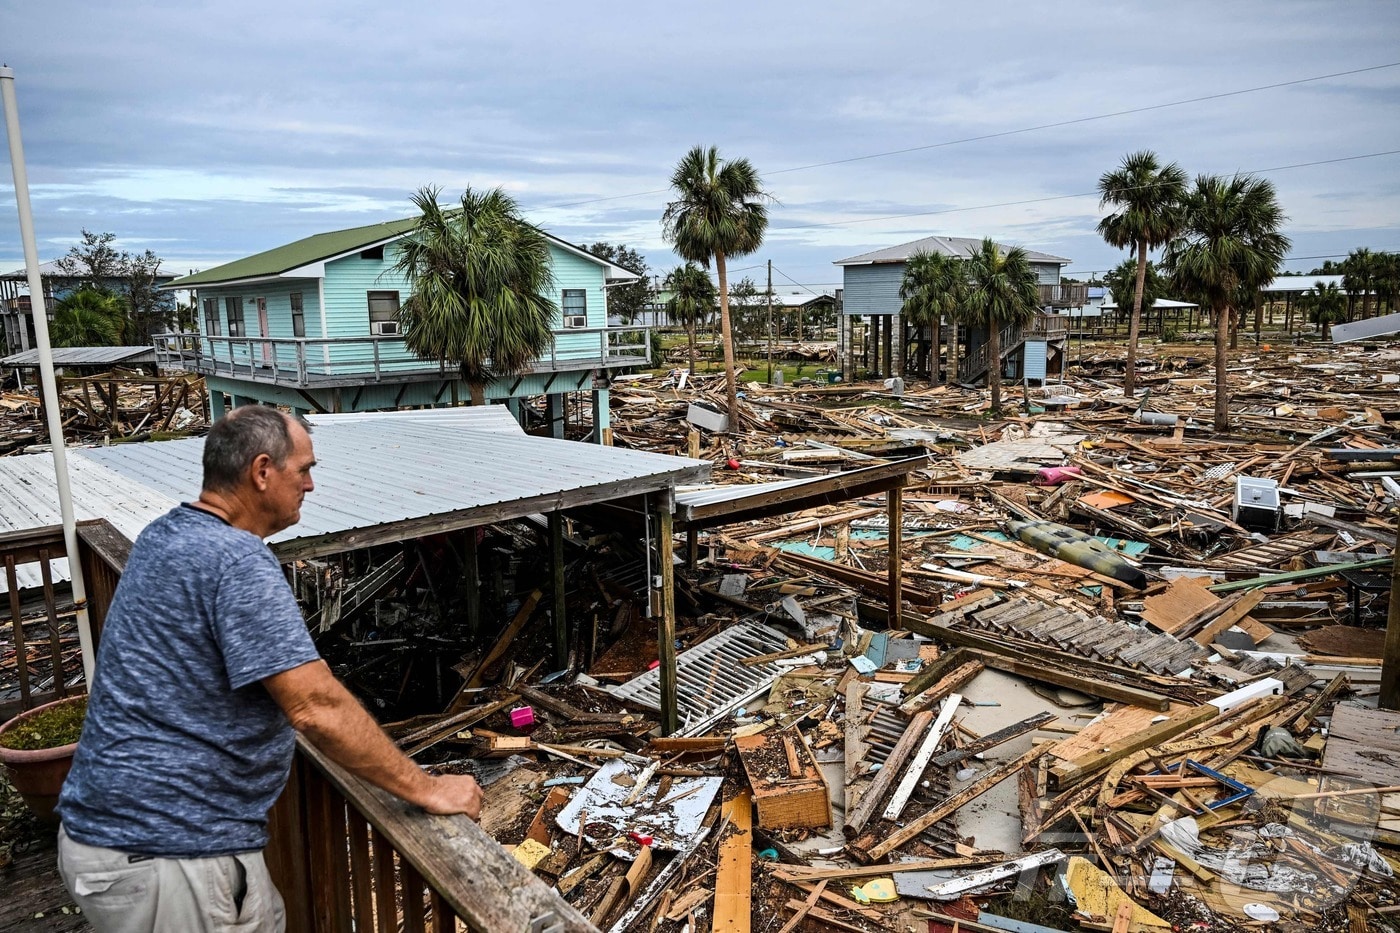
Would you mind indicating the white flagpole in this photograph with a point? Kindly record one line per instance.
(46, 375)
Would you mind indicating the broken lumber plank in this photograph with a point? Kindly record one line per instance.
(911, 829)
(502, 644)
(698, 743)
(813, 873)
(568, 711)
(865, 808)
(1234, 610)
(920, 761)
(993, 739)
(800, 914)
(1068, 772)
(955, 680)
(934, 671)
(856, 726)
(825, 916)
(734, 874)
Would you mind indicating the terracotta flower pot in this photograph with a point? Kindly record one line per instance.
(38, 774)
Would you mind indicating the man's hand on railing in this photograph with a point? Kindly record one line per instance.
(454, 793)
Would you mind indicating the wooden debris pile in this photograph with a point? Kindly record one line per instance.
(118, 405)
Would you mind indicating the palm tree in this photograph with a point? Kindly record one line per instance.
(1147, 196)
(482, 283)
(1001, 292)
(1122, 280)
(692, 300)
(933, 287)
(89, 317)
(1387, 280)
(719, 212)
(1325, 304)
(1358, 278)
(1230, 241)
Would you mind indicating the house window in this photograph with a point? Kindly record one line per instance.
(298, 315)
(234, 308)
(575, 307)
(374, 252)
(211, 317)
(383, 313)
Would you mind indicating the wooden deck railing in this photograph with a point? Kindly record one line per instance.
(46, 662)
(345, 855)
(348, 856)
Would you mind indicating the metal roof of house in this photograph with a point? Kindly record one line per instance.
(1157, 303)
(1301, 283)
(959, 247)
(85, 356)
(323, 246)
(380, 477)
(51, 270)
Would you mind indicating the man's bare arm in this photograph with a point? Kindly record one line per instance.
(325, 712)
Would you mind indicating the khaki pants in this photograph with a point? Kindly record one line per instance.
(169, 895)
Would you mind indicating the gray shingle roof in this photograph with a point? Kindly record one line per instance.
(959, 247)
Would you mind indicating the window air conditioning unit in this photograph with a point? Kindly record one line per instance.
(384, 328)
(576, 320)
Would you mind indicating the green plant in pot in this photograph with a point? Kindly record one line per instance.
(36, 748)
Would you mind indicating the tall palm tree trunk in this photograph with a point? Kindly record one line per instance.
(690, 336)
(731, 390)
(1223, 316)
(994, 366)
(1135, 324)
(1234, 318)
(477, 391)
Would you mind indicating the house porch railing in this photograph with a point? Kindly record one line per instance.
(305, 362)
(1064, 295)
(36, 627)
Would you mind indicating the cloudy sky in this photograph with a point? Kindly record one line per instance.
(210, 131)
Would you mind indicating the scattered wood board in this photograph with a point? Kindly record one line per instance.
(734, 875)
(1364, 742)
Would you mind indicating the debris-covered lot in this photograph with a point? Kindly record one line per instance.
(1132, 684)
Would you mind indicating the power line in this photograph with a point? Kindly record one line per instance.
(1022, 130)
(1063, 197)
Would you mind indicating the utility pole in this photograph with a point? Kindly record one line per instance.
(770, 322)
(1390, 662)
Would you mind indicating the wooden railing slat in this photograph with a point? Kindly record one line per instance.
(386, 904)
(358, 836)
(480, 881)
(55, 648)
(21, 658)
(414, 888)
(441, 917)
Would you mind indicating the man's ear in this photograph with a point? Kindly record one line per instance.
(259, 470)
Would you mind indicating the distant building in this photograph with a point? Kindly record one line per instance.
(16, 311)
(313, 325)
(873, 339)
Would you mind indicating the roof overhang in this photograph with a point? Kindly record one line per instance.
(724, 505)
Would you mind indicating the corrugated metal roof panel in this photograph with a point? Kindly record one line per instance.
(958, 246)
(85, 356)
(372, 469)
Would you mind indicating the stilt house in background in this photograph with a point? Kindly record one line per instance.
(874, 340)
(313, 325)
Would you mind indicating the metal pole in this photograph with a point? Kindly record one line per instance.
(46, 374)
(1390, 662)
(770, 322)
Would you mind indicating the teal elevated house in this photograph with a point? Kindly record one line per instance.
(313, 325)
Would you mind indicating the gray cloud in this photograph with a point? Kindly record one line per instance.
(212, 131)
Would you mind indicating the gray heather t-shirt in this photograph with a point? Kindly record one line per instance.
(183, 750)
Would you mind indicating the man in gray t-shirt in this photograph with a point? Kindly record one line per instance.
(204, 671)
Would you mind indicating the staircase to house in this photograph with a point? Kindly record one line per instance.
(974, 365)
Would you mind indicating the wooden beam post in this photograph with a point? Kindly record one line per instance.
(1390, 665)
(556, 569)
(471, 581)
(666, 628)
(894, 501)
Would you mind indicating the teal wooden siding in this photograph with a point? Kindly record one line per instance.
(278, 296)
(1035, 360)
(873, 289)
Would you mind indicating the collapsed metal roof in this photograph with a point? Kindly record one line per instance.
(84, 356)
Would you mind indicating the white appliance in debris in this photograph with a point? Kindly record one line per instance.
(1256, 504)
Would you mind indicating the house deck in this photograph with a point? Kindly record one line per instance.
(35, 898)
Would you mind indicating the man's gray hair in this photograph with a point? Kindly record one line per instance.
(239, 437)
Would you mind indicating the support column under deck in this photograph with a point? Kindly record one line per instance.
(602, 418)
(894, 504)
(556, 568)
(660, 504)
(217, 406)
(554, 413)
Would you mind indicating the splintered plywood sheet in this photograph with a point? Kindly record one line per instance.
(1117, 722)
(1183, 598)
(1364, 742)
